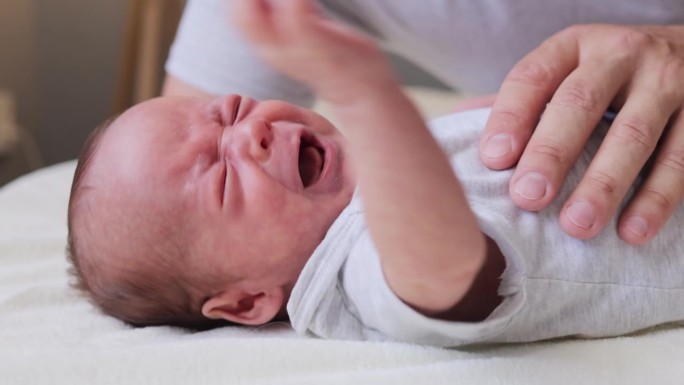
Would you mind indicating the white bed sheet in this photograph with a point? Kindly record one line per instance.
(49, 334)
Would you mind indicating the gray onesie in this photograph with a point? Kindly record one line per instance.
(553, 285)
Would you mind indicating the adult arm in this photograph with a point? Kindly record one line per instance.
(430, 245)
(573, 78)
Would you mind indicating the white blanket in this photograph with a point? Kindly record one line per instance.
(49, 334)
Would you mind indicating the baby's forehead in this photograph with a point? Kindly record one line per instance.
(159, 119)
(149, 134)
(143, 159)
(131, 169)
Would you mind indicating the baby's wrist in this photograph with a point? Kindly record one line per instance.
(345, 91)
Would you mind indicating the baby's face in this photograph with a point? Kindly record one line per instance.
(254, 186)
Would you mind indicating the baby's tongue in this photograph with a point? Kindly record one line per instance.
(310, 162)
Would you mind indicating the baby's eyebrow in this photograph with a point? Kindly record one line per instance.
(205, 155)
(213, 113)
(201, 162)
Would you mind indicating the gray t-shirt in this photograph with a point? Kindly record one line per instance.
(470, 45)
(553, 285)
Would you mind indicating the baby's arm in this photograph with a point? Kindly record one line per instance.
(430, 245)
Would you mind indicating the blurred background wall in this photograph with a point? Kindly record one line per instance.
(67, 62)
(59, 59)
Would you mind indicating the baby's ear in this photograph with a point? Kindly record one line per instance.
(244, 308)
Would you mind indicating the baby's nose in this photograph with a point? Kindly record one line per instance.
(260, 138)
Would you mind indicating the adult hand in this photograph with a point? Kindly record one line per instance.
(573, 78)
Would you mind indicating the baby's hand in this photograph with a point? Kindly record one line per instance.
(293, 37)
(431, 253)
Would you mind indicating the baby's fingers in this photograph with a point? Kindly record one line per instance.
(254, 20)
(298, 16)
(268, 22)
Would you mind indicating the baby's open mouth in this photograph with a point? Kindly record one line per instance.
(311, 160)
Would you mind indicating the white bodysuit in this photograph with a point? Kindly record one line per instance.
(468, 44)
(553, 285)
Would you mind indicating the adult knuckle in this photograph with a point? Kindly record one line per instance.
(673, 161)
(636, 131)
(551, 152)
(670, 75)
(674, 66)
(661, 201)
(661, 44)
(631, 40)
(508, 118)
(530, 72)
(577, 95)
(603, 182)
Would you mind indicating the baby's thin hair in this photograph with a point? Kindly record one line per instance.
(128, 293)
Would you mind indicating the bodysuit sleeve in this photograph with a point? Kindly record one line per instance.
(386, 316)
(342, 294)
(208, 53)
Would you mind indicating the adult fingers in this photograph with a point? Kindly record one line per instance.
(563, 131)
(627, 146)
(522, 98)
(662, 191)
(652, 96)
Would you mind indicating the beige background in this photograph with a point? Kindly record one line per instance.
(61, 59)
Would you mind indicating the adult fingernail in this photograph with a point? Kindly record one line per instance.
(637, 225)
(497, 146)
(581, 213)
(532, 186)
